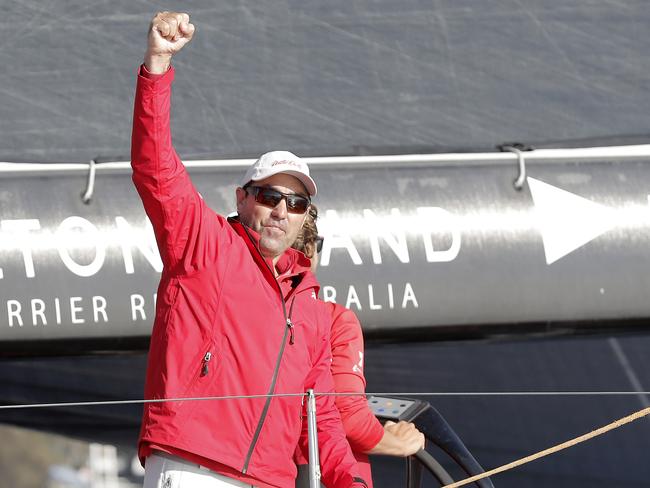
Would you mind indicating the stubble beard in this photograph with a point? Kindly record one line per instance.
(270, 248)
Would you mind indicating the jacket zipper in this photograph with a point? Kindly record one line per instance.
(287, 329)
(290, 326)
(206, 359)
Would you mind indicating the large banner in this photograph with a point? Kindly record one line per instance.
(424, 247)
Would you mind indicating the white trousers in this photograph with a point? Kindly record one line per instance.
(164, 471)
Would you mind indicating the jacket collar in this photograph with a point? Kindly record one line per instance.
(291, 263)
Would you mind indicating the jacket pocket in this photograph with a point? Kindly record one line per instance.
(200, 370)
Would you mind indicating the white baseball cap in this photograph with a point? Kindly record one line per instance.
(274, 162)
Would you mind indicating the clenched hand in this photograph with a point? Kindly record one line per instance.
(169, 32)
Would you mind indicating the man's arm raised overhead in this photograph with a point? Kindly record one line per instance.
(175, 208)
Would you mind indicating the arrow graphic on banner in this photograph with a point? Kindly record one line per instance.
(567, 221)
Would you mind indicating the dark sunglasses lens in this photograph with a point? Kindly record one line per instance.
(297, 204)
(268, 197)
(319, 244)
(271, 198)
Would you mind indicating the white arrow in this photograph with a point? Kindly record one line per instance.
(566, 221)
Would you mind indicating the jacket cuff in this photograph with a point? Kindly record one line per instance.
(374, 434)
(151, 79)
(358, 483)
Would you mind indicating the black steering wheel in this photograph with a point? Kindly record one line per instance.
(437, 431)
(427, 461)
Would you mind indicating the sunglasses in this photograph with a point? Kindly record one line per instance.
(319, 244)
(269, 197)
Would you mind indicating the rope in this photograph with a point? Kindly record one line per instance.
(521, 177)
(87, 195)
(551, 450)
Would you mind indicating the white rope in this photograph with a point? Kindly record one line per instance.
(603, 153)
(90, 183)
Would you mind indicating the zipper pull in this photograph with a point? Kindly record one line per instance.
(291, 337)
(206, 360)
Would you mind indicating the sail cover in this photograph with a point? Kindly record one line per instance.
(323, 78)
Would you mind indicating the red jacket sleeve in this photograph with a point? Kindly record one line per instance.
(338, 465)
(179, 216)
(362, 428)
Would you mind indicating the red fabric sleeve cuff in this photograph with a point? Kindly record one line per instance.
(144, 74)
(375, 434)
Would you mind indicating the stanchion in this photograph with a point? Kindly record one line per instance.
(314, 461)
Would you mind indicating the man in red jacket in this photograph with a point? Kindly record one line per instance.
(236, 314)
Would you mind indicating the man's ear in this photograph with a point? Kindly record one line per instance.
(240, 194)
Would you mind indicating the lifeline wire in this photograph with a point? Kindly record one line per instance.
(404, 394)
(506, 467)
(130, 402)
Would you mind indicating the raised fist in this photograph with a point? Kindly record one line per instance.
(168, 34)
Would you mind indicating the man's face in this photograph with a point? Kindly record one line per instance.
(277, 227)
